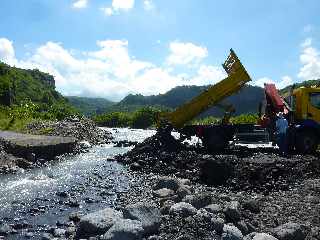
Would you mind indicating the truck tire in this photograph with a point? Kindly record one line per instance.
(306, 142)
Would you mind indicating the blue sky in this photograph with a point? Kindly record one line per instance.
(109, 48)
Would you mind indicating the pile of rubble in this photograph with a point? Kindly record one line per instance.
(82, 129)
(239, 169)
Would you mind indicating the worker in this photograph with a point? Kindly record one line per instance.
(282, 127)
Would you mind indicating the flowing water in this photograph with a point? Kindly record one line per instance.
(82, 182)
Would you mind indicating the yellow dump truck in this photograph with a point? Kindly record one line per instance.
(302, 109)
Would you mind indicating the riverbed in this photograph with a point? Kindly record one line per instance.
(34, 201)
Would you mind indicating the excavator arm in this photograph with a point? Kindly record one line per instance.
(237, 78)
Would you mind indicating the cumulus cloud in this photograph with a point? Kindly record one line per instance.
(310, 60)
(109, 71)
(7, 53)
(285, 81)
(148, 5)
(80, 4)
(185, 53)
(117, 6)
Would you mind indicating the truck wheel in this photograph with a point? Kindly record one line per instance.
(306, 142)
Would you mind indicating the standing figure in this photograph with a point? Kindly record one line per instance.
(282, 127)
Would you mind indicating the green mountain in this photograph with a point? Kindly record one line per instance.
(90, 106)
(17, 85)
(245, 101)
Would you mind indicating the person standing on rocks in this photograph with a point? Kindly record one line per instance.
(282, 127)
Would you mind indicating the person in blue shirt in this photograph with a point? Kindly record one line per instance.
(281, 131)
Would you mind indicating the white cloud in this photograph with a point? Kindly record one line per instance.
(122, 4)
(285, 81)
(185, 53)
(310, 60)
(148, 5)
(208, 75)
(7, 53)
(110, 71)
(117, 6)
(80, 4)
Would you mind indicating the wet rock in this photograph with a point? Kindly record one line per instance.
(98, 222)
(242, 226)
(5, 229)
(149, 215)
(125, 229)
(231, 233)
(46, 236)
(232, 211)
(163, 193)
(289, 231)
(23, 163)
(183, 209)
(259, 236)
(135, 166)
(73, 203)
(199, 200)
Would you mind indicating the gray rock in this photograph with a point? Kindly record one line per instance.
(163, 193)
(148, 214)
(232, 211)
(259, 236)
(183, 209)
(289, 231)
(166, 207)
(183, 191)
(213, 208)
(98, 222)
(231, 233)
(125, 229)
(167, 182)
(217, 224)
(199, 200)
(5, 229)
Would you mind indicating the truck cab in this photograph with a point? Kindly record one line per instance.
(306, 111)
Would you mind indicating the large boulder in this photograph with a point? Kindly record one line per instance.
(97, 223)
(259, 236)
(182, 209)
(148, 214)
(198, 200)
(125, 229)
(289, 231)
(231, 233)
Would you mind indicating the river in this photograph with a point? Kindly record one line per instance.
(84, 182)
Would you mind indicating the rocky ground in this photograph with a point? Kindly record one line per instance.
(180, 192)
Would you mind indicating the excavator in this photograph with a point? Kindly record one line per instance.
(301, 108)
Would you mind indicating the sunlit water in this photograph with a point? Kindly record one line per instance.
(72, 173)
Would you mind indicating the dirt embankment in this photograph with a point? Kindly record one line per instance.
(251, 190)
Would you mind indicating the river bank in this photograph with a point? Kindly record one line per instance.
(32, 149)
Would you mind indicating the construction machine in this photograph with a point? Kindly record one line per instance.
(301, 108)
